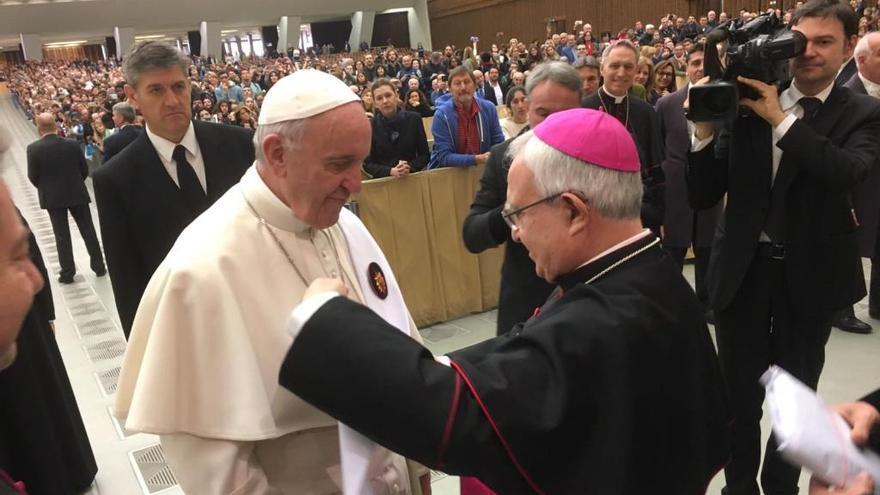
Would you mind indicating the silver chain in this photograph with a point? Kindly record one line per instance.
(271, 231)
(602, 102)
(622, 261)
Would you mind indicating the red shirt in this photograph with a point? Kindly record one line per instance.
(468, 129)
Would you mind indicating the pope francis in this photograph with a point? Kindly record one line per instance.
(201, 368)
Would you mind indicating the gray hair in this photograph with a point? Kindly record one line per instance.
(290, 131)
(613, 194)
(863, 47)
(620, 44)
(586, 61)
(558, 72)
(152, 55)
(124, 110)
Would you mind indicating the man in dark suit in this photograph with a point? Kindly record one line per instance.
(866, 196)
(57, 168)
(785, 256)
(618, 72)
(682, 226)
(493, 89)
(166, 177)
(552, 87)
(126, 131)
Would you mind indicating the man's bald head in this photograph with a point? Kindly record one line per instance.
(45, 123)
(867, 55)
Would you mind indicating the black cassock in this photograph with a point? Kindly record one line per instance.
(42, 438)
(613, 388)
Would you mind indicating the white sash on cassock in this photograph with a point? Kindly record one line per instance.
(357, 451)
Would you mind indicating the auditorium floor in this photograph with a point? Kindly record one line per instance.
(92, 346)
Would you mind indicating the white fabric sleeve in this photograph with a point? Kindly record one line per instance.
(215, 467)
(783, 127)
(304, 311)
(697, 145)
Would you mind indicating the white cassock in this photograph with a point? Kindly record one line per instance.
(201, 368)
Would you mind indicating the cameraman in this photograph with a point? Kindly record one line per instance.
(785, 255)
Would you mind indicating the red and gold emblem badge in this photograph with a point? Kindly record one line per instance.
(377, 280)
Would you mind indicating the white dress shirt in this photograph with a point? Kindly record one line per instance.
(165, 149)
(499, 95)
(871, 87)
(788, 100)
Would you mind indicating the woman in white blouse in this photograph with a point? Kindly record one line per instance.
(518, 105)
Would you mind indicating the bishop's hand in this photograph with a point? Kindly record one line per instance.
(324, 285)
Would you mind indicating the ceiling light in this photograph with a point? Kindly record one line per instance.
(66, 43)
(150, 36)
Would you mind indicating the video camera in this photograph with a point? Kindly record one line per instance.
(760, 50)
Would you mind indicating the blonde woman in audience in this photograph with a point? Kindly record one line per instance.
(516, 102)
(643, 81)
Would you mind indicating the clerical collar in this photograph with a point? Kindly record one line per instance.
(871, 87)
(267, 205)
(605, 260)
(617, 99)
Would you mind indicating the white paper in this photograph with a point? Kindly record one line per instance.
(358, 451)
(812, 435)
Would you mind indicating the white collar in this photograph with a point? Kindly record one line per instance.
(165, 148)
(871, 87)
(790, 97)
(617, 99)
(267, 205)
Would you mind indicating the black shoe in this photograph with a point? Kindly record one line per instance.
(65, 280)
(101, 272)
(851, 324)
(710, 317)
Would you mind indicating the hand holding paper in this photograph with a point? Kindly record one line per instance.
(812, 435)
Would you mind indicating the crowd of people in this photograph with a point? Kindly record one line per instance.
(81, 94)
(596, 182)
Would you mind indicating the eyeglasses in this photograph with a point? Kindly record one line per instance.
(512, 218)
(665, 74)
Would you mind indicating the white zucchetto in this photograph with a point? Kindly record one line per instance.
(303, 94)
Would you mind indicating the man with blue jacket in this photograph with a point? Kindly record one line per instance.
(464, 127)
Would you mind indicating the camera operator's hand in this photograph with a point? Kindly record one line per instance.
(767, 106)
(702, 130)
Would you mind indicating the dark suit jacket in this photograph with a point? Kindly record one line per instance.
(847, 72)
(521, 289)
(57, 168)
(490, 93)
(142, 211)
(822, 162)
(678, 219)
(411, 144)
(866, 196)
(122, 138)
(645, 129)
